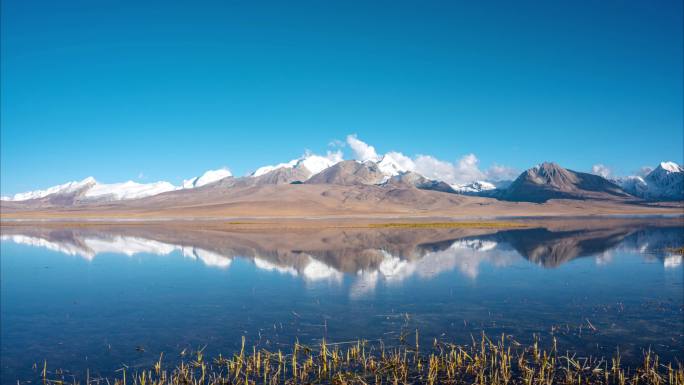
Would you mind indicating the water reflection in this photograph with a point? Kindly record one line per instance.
(367, 256)
(171, 287)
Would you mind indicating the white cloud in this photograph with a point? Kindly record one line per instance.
(465, 170)
(336, 143)
(433, 168)
(401, 160)
(362, 150)
(644, 171)
(468, 170)
(602, 170)
(498, 173)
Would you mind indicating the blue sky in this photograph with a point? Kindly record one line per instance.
(166, 90)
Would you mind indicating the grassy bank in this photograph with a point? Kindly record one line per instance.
(419, 225)
(485, 361)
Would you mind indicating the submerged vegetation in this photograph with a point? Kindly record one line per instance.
(487, 361)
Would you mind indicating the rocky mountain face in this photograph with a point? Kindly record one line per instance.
(412, 179)
(350, 172)
(282, 175)
(551, 181)
(665, 182)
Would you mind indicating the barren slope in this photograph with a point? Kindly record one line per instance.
(318, 200)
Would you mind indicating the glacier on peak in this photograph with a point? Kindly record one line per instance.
(127, 190)
(664, 182)
(395, 163)
(473, 187)
(210, 176)
(91, 189)
(312, 163)
(64, 188)
(671, 167)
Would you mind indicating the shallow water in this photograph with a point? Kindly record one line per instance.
(102, 297)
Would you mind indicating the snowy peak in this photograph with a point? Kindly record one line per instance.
(394, 163)
(266, 169)
(210, 176)
(62, 189)
(89, 189)
(473, 187)
(316, 163)
(126, 190)
(665, 182)
(307, 165)
(669, 167)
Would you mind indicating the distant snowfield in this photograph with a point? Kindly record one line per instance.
(91, 189)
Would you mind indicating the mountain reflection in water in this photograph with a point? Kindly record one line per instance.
(366, 255)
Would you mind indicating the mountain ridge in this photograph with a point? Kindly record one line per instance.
(538, 184)
(548, 181)
(665, 182)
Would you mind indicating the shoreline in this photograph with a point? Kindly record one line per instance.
(354, 221)
(347, 223)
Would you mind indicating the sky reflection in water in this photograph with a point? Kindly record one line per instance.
(88, 297)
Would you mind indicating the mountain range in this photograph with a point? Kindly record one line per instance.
(665, 182)
(383, 180)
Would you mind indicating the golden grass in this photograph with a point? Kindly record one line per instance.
(418, 225)
(485, 362)
(677, 250)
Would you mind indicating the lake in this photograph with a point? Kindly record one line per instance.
(101, 297)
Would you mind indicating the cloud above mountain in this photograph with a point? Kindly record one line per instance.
(362, 150)
(465, 170)
(498, 173)
(601, 170)
(313, 163)
(643, 171)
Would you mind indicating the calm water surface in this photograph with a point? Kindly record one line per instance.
(99, 298)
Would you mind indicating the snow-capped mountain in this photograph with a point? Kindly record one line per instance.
(308, 165)
(66, 188)
(473, 187)
(633, 184)
(393, 170)
(394, 163)
(665, 182)
(210, 176)
(126, 190)
(89, 189)
(482, 188)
